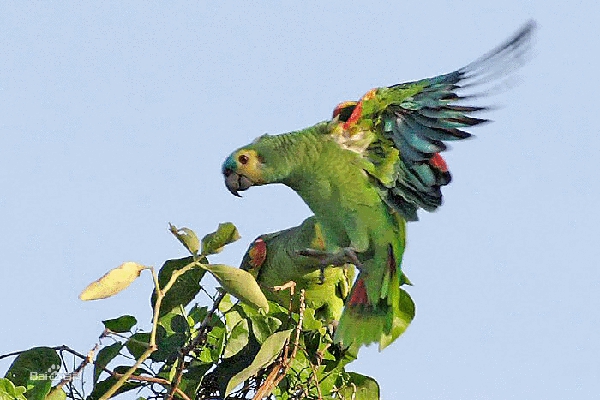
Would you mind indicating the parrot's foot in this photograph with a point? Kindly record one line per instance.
(346, 255)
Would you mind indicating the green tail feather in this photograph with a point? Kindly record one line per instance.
(362, 323)
(403, 314)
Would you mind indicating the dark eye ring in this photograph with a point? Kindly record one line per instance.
(243, 159)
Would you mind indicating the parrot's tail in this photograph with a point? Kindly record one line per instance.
(364, 322)
(361, 323)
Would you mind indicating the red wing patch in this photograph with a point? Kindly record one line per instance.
(359, 294)
(356, 114)
(439, 166)
(342, 106)
(438, 162)
(258, 253)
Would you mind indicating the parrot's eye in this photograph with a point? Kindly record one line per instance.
(243, 159)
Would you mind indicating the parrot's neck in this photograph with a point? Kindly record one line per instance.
(325, 178)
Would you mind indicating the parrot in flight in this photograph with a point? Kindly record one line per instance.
(273, 259)
(367, 171)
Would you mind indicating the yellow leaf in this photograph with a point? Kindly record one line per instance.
(112, 282)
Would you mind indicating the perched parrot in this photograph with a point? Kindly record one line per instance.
(274, 260)
(367, 171)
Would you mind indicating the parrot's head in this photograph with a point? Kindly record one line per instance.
(268, 159)
(243, 169)
(258, 163)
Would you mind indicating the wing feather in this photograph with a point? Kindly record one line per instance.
(401, 129)
(419, 123)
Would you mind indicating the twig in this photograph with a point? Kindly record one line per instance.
(14, 353)
(282, 365)
(270, 382)
(314, 376)
(141, 378)
(204, 324)
(88, 359)
(61, 348)
(200, 337)
(160, 295)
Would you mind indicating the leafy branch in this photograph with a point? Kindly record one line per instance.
(247, 349)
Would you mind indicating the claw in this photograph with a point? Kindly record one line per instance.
(351, 256)
(318, 254)
(346, 255)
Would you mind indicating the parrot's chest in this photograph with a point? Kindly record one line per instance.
(344, 207)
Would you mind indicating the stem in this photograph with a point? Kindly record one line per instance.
(160, 295)
(282, 366)
(193, 344)
(160, 381)
(151, 346)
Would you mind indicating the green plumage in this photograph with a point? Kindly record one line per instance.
(367, 171)
(273, 260)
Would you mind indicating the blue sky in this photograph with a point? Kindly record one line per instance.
(115, 118)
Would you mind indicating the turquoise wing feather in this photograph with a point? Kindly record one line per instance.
(418, 117)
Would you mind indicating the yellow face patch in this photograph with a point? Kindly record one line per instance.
(249, 164)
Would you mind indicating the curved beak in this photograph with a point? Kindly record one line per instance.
(236, 182)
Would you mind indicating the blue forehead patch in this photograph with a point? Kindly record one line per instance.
(229, 164)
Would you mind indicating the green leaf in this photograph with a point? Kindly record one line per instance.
(214, 345)
(360, 387)
(166, 320)
(120, 325)
(56, 394)
(311, 323)
(8, 391)
(266, 355)
(102, 387)
(225, 304)
(105, 355)
(312, 341)
(169, 347)
(192, 378)
(264, 326)
(34, 370)
(229, 367)
(275, 310)
(217, 341)
(138, 343)
(167, 371)
(232, 318)
(214, 242)
(179, 324)
(240, 284)
(327, 381)
(187, 237)
(238, 338)
(185, 288)
(113, 282)
(197, 314)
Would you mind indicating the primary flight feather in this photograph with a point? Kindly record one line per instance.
(367, 171)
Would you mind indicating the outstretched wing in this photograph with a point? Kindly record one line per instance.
(416, 118)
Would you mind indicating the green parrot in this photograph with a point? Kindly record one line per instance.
(367, 171)
(273, 259)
